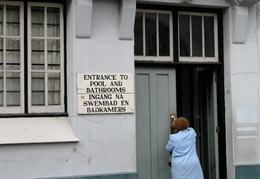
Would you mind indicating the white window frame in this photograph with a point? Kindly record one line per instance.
(28, 130)
(33, 109)
(16, 109)
(203, 58)
(46, 108)
(156, 58)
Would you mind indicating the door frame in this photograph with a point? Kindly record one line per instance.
(220, 103)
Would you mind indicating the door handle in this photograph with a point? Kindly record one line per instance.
(172, 117)
(217, 129)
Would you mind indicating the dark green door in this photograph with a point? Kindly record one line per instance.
(155, 100)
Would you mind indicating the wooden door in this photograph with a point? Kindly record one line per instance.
(155, 100)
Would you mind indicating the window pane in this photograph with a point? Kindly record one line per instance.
(150, 34)
(13, 89)
(1, 20)
(139, 34)
(37, 21)
(12, 20)
(53, 54)
(209, 36)
(12, 54)
(196, 36)
(1, 54)
(184, 31)
(54, 89)
(37, 54)
(38, 89)
(53, 22)
(164, 35)
(1, 89)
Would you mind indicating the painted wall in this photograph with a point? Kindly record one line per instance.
(242, 91)
(106, 142)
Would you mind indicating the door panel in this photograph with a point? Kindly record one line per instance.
(208, 121)
(155, 100)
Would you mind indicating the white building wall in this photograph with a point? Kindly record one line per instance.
(107, 142)
(241, 62)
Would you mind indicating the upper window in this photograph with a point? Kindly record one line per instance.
(197, 36)
(31, 58)
(153, 35)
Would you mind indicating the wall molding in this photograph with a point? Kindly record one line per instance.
(108, 176)
(127, 19)
(84, 11)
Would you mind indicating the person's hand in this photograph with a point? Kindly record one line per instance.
(173, 125)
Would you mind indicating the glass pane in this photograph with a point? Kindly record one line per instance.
(209, 37)
(37, 21)
(13, 89)
(37, 54)
(184, 31)
(12, 20)
(53, 21)
(196, 36)
(53, 54)
(54, 89)
(1, 20)
(164, 35)
(1, 54)
(1, 89)
(138, 32)
(12, 54)
(150, 34)
(38, 89)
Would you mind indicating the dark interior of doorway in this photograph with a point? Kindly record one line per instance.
(191, 85)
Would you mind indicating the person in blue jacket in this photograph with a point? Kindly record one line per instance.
(184, 163)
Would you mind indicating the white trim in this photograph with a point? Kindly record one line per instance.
(153, 58)
(36, 130)
(203, 58)
(198, 59)
(16, 109)
(47, 108)
(156, 58)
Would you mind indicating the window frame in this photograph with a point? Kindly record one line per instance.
(203, 58)
(13, 109)
(47, 108)
(217, 59)
(26, 107)
(156, 58)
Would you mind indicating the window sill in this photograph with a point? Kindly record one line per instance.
(36, 130)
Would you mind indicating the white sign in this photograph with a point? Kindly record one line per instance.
(105, 93)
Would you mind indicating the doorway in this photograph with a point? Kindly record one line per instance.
(190, 92)
(197, 101)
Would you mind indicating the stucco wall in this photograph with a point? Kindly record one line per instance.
(242, 91)
(106, 142)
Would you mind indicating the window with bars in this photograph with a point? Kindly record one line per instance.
(31, 58)
(197, 36)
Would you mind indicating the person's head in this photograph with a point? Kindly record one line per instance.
(181, 123)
